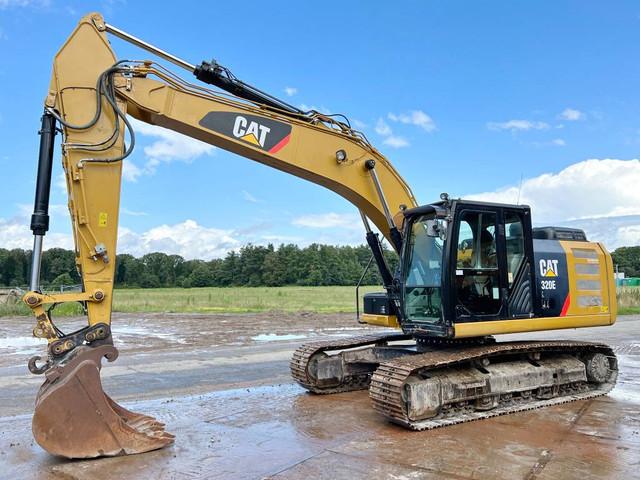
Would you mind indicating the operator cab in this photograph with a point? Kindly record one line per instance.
(464, 261)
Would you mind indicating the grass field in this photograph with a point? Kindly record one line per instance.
(628, 300)
(220, 300)
(255, 299)
(238, 300)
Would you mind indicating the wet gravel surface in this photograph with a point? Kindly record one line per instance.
(221, 383)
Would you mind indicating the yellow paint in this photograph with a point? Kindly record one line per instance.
(251, 138)
(153, 97)
(380, 320)
(590, 254)
(497, 327)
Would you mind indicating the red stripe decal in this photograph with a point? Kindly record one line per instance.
(278, 146)
(565, 307)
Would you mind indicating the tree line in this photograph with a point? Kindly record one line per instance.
(252, 266)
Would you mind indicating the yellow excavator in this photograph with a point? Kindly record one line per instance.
(468, 270)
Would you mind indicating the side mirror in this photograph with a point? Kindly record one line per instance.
(436, 229)
(433, 229)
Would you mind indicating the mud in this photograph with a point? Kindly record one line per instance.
(222, 385)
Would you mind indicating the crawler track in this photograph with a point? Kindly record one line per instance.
(389, 380)
(304, 355)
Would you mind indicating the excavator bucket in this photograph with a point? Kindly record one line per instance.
(74, 418)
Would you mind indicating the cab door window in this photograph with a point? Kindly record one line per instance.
(514, 238)
(477, 276)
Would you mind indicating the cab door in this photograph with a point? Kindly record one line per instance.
(491, 263)
(518, 260)
(477, 283)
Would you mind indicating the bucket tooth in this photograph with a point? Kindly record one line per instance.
(74, 418)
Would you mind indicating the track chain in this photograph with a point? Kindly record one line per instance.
(301, 358)
(387, 382)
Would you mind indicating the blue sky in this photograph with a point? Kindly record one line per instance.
(463, 97)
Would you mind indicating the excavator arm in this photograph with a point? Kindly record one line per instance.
(90, 95)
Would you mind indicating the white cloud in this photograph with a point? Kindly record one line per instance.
(517, 125)
(571, 115)
(396, 141)
(170, 146)
(130, 171)
(391, 140)
(382, 128)
(187, 239)
(328, 220)
(414, 117)
(614, 232)
(15, 233)
(250, 198)
(61, 182)
(321, 109)
(331, 228)
(556, 142)
(358, 124)
(290, 91)
(629, 235)
(592, 189)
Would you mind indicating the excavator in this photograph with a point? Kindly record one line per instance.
(468, 271)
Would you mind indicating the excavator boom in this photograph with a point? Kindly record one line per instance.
(91, 95)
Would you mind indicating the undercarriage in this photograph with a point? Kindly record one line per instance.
(432, 383)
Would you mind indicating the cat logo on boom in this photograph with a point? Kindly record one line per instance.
(258, 131)
(548, 268)
(248, 131)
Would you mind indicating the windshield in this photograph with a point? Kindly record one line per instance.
(423, 269)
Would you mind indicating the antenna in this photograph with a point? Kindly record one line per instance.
(519, 190)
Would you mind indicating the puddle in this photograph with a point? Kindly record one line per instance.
(624, 395)
(144, 333)
(274, 337)
(22, 345)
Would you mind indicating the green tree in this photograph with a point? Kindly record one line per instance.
(149, 280)
(273, 270)
(628, 260)
(201, 276)
(63, 279)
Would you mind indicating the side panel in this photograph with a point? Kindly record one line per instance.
(591, 273)
(583, 294)
(551, 275)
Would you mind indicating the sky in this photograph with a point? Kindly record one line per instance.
(529, 102)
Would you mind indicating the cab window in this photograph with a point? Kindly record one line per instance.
(477, 277)
(515, 245)
(423, 270)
